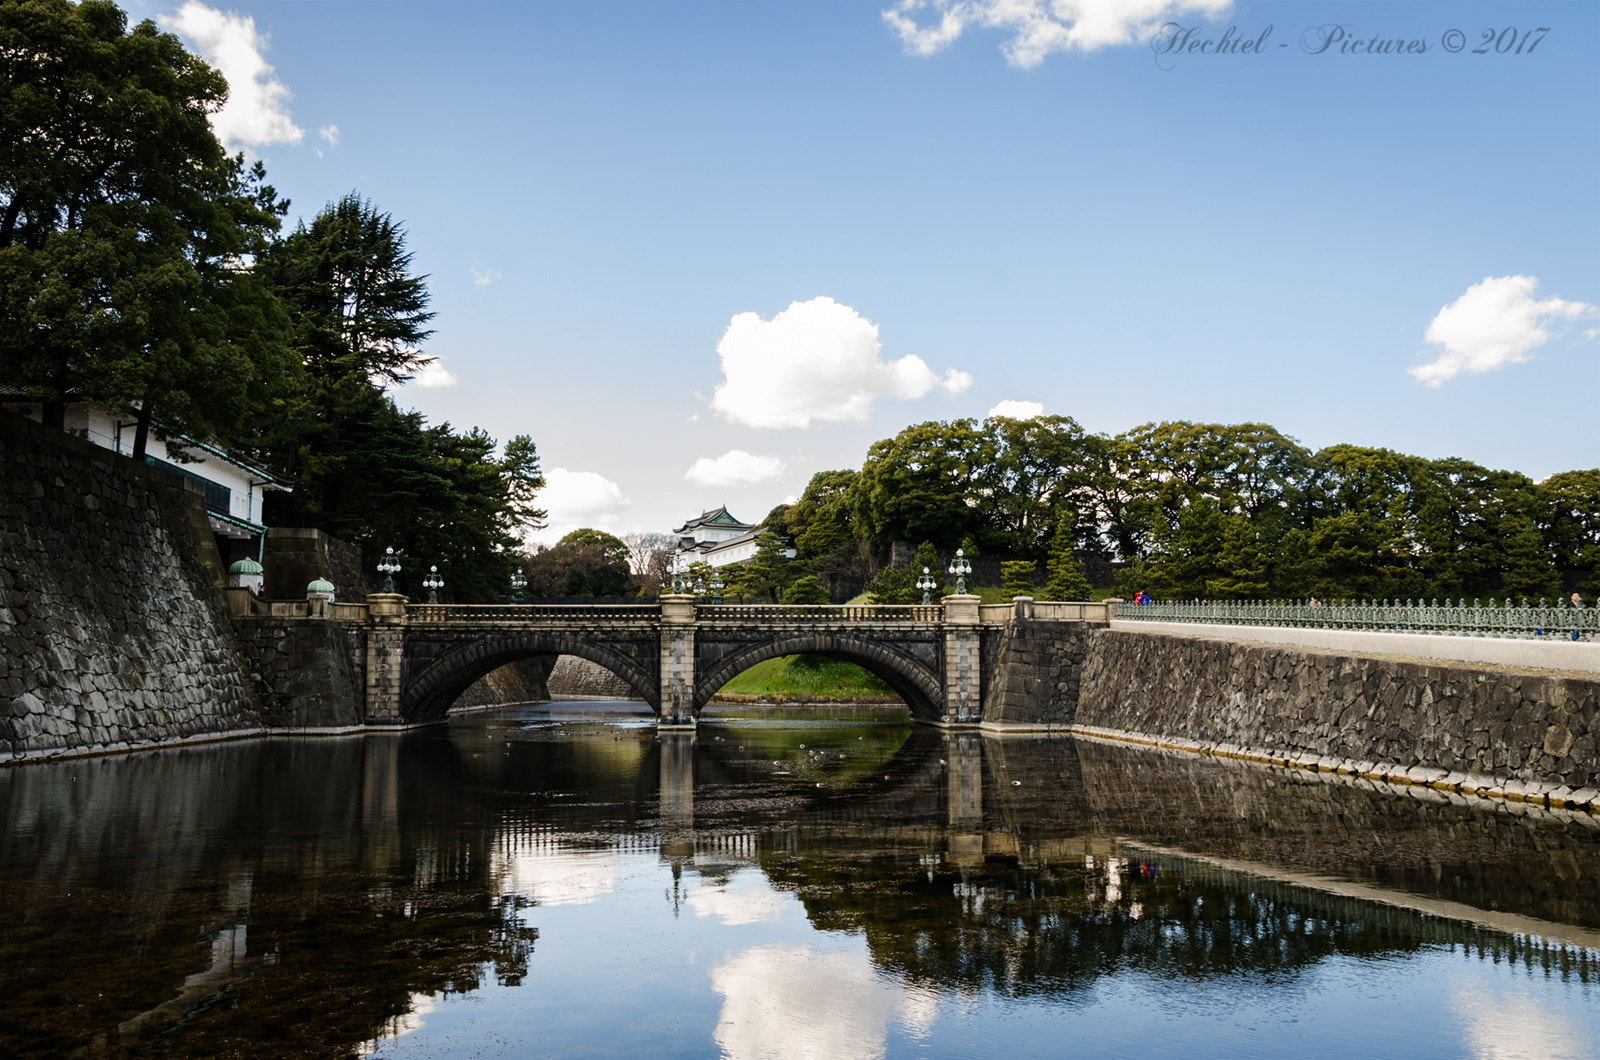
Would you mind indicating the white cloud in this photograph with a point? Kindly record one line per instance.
(255, 113)
(433, 376)
(816, 360)
(1494, 324)
(565, 877)
(733, 467)
(330, 133)
(1505, 1022)
(482, 275)
(1018, 410)
(786, 1002)
(579, 498)
(1040, 27)
(740, 901)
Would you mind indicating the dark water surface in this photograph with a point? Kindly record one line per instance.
(564, 882)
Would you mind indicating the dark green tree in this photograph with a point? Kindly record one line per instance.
(1570, 515)
(1016, 577)
(585, 562)
(918, 484)
(126, 230)
(1067, 581)
(806, 590)
(359, 317)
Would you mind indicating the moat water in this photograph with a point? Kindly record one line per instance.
(563, 881)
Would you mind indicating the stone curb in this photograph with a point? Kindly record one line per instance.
(22, 758)
(1506, 790)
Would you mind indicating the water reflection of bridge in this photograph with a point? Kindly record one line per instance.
(982, 816)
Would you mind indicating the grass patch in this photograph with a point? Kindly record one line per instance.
(806, 677)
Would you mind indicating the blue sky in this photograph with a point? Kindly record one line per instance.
(699, 251)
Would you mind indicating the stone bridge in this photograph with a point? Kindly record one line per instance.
(677, 653)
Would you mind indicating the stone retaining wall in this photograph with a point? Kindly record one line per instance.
(308, 673)
(523, 681)
(1033, 670)
(1495, 731)
(573, 676)
(112, 627)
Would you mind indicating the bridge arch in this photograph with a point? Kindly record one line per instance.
(428, 695)
(911, 679)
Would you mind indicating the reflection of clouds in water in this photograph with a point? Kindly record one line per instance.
(744, 899)
(400, 1026)
(1507, 1024)
(787, 1002)
(567, 878)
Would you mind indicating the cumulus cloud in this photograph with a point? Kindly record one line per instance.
(740, 900)
(579, 498)
(1017, 410)
(786, 1002)
(1040, 27)
(816, 360)
(433, 376)
(1496, 323)
(255, 113)
(733, 467)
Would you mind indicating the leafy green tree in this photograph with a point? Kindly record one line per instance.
(767, 576)
(1067, 581)
(1570, 514)
(1133, 578)
(1294, 568)
(898, 585)
(918, 484)
(585, 562)
(126, 230)
(806, 590)
(1036, 478)
(1243, 562)
(895, 585)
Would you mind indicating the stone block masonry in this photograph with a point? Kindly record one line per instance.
(1490, 731)
(112, 628)
(307, 672)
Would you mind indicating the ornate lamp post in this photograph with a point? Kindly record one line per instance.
(678, 585)
(388, 566)
(716, 588)
(927, 584)
(519, 581)
(433, 583)
(961, 568)
(699, 588)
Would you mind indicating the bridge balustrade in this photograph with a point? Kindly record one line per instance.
(820, 612)
(481, 613)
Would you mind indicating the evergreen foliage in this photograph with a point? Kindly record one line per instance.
(1016, 577)
(127, 231)
(1067, 581)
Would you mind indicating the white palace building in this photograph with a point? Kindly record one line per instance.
(717, 539)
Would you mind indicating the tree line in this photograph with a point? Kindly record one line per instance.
(1198, 510)
(144, 270)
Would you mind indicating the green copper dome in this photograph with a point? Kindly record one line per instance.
(245, 566)
(321, 585)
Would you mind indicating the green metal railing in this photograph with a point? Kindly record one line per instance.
(1454, 619)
